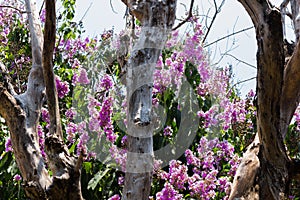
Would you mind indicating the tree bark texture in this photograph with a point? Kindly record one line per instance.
(277, 98)
(22, 112)
(157, 19)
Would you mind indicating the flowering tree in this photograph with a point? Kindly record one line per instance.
(70, 131)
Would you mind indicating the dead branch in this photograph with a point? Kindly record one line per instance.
(190, 14)
(217, 11)
(291, 89)
(241, 61)
(49, 43)
(227, 36)
(20, 11)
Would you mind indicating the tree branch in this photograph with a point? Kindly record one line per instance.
(20, 11)
(190, 14)
(239, 60)
(217, 10)
(291, 89)
(227, 36)
(25, 146)
(49, 44)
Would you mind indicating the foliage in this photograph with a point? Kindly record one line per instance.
(92, 105)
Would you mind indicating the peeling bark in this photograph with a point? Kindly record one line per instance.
(21, 113)
(157, 19)
(278, 88)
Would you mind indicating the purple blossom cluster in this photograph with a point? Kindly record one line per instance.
(62, 87)
(83, 138)
(8, 145)
(101, 109)
(7, 18)
(41, 138)
(71, 47)
(119, 155)
(225, 114)
(168, 193)
(233, 112)
(203, 175)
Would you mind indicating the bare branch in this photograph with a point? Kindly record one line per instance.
(227, 36)
(243, 81)
(49, 43)
(217, 11)
(190, 14)
(241, 61)
(112, 7)
(17, 9)
(291, 89)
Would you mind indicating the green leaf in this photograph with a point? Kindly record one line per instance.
(87, 166)
(94, 181)
(72, 149)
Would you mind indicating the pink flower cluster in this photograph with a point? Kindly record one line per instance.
(209, 175)
(62, 87)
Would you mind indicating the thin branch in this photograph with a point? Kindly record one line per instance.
(112, 7)
(41, 9)
(217, 11)
(20, 11)
(232, 34)
(188, 17)
(241, 61)
(86, 12)
(49, 43)
(243, 81)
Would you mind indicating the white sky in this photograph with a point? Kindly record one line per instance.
(232, 18)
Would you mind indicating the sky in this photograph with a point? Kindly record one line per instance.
(99, 15)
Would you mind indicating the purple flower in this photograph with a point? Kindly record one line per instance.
(17, 177)
(62, 87)
(8, 145)
(83, 78)
(71, 131)
(81, 146)
(43, 15)
(178, 174)
(168, 131)
(115, 197)
(70, 113)
(106, 83)
(168, 193)
(41, 141)
(121, 180)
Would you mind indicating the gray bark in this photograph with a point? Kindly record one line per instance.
(22, 112)
(157, 19)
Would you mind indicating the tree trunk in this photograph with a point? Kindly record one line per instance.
(22, 112)
(157, 19)
(277, 98)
